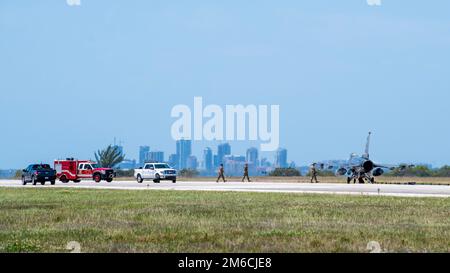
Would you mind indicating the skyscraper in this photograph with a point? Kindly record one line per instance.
(156, 156)
(192, 163)
(234, 164)
(184, 150)
(252, 160)
(281, 158)
(173, 160)
(216, 161)
(222, 151)
(119, 149)
(208, 159)
(143, 152)
(252, 157)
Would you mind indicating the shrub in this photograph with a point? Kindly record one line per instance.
(285, 172)
(188, 173)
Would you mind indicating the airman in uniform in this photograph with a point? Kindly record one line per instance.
(221, 174)
(246, 174)
(313, 172)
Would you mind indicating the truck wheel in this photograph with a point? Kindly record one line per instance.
(97, 178)
(349, 179)
(33, 181)
(109, 180)
(63, 179)
(24, 182)
(43, 183)
(139, 178)
(77, 181)
(174, 181)
(157, 178)
(361, 180)
(52, 182)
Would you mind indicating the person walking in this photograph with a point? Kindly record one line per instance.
(246, 173)
(221, 174)
(313, 172)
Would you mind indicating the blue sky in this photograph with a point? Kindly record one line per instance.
(73, 78)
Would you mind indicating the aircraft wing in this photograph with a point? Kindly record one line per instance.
(392, 167)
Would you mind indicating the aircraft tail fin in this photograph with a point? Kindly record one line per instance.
(366, 153)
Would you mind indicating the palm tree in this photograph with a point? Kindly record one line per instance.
(109, 157)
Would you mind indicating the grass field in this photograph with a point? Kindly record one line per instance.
(45, 220)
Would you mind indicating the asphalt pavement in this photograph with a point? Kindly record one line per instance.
(281, 187)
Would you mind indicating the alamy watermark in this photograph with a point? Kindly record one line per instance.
(73, 2)
(374, 2)
(74, 247)
(237, 122)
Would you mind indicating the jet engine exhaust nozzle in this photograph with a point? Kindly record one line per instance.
(378, 172)
(341, 172)
(368, 166)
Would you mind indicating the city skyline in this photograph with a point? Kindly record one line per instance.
(274, 158)
(278, 158)
(208, 163)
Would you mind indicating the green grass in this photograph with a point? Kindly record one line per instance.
(45, 220)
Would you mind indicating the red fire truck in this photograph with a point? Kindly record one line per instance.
(76, 170)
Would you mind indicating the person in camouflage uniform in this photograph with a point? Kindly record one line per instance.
(221, 174)
(313, 172)
(246, 174)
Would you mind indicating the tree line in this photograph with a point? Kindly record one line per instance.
(420, 171)
(402, 171)
(111, 156)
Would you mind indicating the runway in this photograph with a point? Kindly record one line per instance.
(280, 187)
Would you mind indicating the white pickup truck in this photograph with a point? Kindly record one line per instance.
(156, 172)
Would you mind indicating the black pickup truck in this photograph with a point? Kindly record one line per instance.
(38, 173)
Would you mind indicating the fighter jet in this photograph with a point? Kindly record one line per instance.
(359, 168)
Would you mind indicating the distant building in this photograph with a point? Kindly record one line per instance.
(252, 160)
(127, 164)
(7, 173)
(208, 160)
(143, 153)
(252, 157)
(155, 156)
(281, 158)
(222, 151)
(119, 148)
(234, 164)
(184, 151)
(192, 163)
(173, 161)
(216, 161)
(265, 162)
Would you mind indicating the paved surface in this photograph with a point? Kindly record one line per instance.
(359, 189)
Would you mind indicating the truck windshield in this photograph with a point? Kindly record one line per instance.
(162, 166)
(95, 166)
